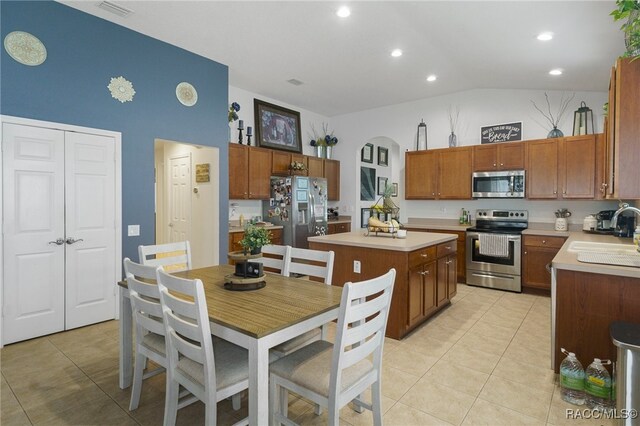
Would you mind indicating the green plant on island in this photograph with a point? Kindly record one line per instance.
(629, 10)
(254, 238)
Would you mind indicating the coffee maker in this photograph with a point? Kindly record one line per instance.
(625, 226)
(604, 220)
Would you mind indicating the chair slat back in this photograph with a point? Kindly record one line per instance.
(186, 321)
(145, 298)
(174, 257)
(362, 321)
(304, 261)
(274, 257)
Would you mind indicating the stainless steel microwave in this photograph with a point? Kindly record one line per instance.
(503, 184)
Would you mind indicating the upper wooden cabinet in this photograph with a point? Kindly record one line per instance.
(332, 174)
(561, 168)
(420, 175)
(438, 174)
(316, 167)
(454, 173)
(501, 156)
(249, 172)
(280, 162)
(623, 137)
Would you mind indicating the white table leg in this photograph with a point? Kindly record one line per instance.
(126, 338)
(258, 383)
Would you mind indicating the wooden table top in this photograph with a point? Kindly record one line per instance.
(282, 302)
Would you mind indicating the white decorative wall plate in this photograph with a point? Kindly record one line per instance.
(25, 48)
(186, 94)
(121, 89)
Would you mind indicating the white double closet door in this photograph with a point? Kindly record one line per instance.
(59, 230)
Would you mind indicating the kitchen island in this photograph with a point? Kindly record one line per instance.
(425, 264)
(587, 297)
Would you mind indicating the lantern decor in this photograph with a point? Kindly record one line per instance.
(421, 138)
(582, 120)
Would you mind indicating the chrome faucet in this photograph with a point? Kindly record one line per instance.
(623, 207)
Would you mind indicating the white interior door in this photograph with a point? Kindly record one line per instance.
(179, 198)
(33, 211)
(90, 228)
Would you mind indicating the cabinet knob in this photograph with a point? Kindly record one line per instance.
(494, 164)
(502, 164)
(544, 241)
(525, 252)
(424, 273)
(448, 262)
(424, 255)
(555, 192)
(433, 193)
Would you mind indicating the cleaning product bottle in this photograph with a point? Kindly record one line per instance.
(461, 218)
(597, 385)
(465, 216)
(636, 238)
(241, 219)
(571, 379)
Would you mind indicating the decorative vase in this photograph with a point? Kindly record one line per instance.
(555, 133)
(256, 250)
(329, 152)
(453, 140)
(320, 151)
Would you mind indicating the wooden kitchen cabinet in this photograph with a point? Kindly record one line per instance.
(461, 250)
(542, 169)
(332, 174)
(236, 237)
(447, 278)
(339, 228)
(623, 154)
(577, 169)
(249, 172)
(280, 162)
(454, 173)
(421, 175)
(537, 253)
(422, 292)
(500, 156)
(316, 167)
(438, 174)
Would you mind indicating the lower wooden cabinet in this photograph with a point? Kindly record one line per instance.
(537, 253)
(236, 237)
(339, 228)
(422, 294)
(461, 249)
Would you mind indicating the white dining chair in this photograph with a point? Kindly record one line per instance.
(274, 257)
(314, 264)
(147, 316)
(332, 375)
(173, 257)
(212, 369)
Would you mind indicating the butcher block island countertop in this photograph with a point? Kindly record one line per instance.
(425, 263)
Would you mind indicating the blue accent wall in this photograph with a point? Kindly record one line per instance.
(83, 53)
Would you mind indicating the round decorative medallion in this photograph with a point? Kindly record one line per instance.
(121, 89)
(186, 94)
(25, 48)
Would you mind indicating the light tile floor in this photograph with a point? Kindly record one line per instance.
(483, 360)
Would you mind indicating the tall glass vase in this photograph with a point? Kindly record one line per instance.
(321, 151)
(453, 140)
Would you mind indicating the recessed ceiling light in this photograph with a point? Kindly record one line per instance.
(343, 12)
(545, 36)
(556, 71)
(396, 52)
(431, 78)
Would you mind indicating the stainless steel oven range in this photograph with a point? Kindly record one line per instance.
(494, 249)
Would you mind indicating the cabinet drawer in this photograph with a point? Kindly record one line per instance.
(447, 248)
(422, 256)
(543, 241)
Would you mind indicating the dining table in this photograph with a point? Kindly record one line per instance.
(257, 320)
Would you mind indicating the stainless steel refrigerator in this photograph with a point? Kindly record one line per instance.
(299, 204)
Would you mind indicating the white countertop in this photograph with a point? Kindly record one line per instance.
(414, 240)
(429, 223)
(242, 229)
(568, 260)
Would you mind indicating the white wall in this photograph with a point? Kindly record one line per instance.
(245, 99)
(477, 108)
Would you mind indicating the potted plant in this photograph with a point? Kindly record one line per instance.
(254, 238)
(629, 10)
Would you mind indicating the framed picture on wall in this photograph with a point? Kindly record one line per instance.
(366, 155)
(277, 127)
(365, 214)
(382, 184)
(395, 189)
(367, 184)
(383, 156)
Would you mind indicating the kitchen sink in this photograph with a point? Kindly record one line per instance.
(611, 248)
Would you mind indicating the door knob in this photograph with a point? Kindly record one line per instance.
(72, 240)
(58, 242)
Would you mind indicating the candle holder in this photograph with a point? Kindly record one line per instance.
(248, 139)
(240, 135)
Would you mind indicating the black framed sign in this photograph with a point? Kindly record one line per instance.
(366, 156)
(383, 156)
(277, 127)
(509, 132)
